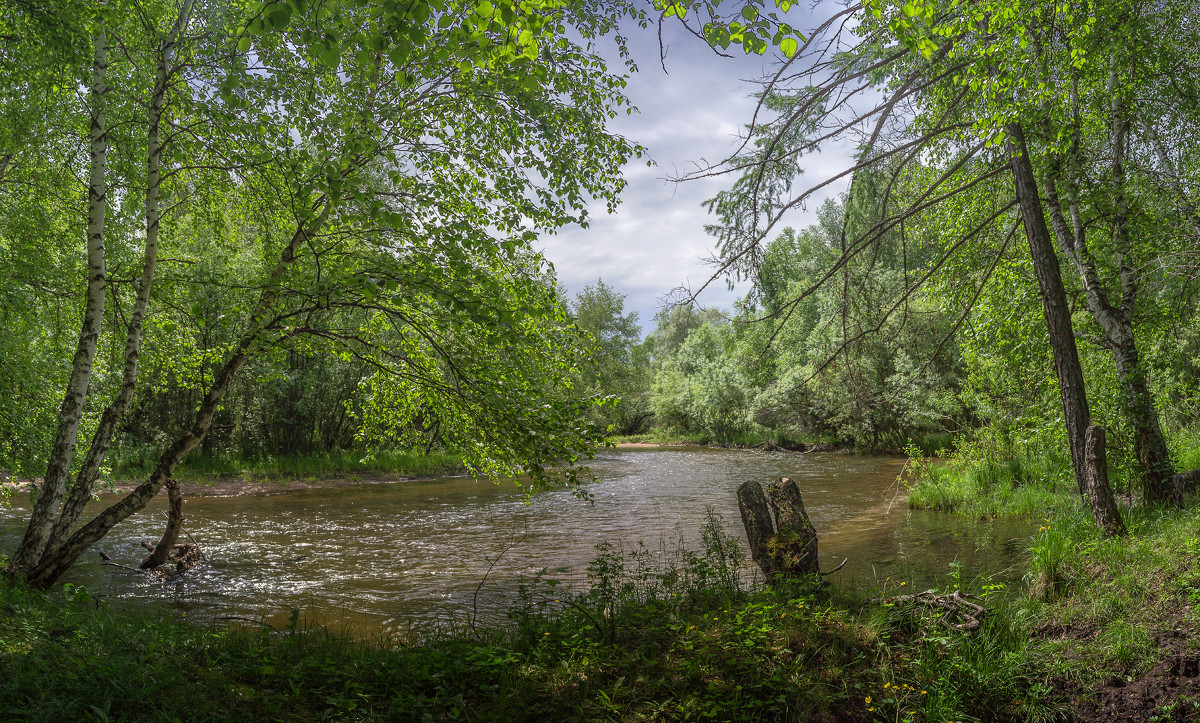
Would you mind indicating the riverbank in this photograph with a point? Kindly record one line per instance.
(214, 476)
(1118, 618)
(1098, 630)
(681, 642)
(675, 441)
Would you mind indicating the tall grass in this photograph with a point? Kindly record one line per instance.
(1022, 486)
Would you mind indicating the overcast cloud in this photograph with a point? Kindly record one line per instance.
(690, 115)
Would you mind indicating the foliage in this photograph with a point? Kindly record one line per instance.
(356, 182)
(646, 641)
(701, 387)
(835, 365)
(619, 366)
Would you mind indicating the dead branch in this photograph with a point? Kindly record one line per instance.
(955, 604)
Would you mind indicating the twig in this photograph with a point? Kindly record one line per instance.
(126, 567)
(839, 567)
(479, 587)
(955, 603)
(243, 618)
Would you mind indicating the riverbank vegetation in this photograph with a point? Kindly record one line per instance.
(683, 639)
(1096, 628)
(314, 466)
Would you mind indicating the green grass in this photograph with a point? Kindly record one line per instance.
(1022, 487)
(682, 640)
(1121, 591)
(316, 466)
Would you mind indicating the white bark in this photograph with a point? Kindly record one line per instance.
(53, 487)
(90, 470)
(57, 561)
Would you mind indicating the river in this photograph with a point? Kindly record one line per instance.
(402, 557)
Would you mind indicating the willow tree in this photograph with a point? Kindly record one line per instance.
(396, 160)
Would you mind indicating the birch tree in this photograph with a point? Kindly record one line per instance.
(394, 160)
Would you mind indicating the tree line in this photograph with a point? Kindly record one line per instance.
(1019, 226)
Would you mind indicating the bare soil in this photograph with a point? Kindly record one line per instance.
(1169, 691)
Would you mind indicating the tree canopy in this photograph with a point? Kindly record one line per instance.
(355, 179)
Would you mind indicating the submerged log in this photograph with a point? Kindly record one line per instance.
(1104, 506)
(782, 539)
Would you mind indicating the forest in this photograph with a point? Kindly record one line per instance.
(246, 237)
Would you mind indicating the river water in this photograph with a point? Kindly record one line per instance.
(403, 557)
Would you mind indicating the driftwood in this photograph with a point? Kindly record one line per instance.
(956, 605)
(168, 557)
(782, 539)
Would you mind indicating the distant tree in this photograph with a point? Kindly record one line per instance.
(619, 367)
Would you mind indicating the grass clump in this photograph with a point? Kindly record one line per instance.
(1018, 487)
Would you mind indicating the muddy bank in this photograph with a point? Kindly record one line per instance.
(1168, 691)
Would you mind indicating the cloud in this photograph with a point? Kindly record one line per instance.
(691, 117)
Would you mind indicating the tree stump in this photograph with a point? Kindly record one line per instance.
(1104, 506)
(782, 539)
(184, 555)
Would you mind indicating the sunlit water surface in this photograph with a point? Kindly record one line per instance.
(402, 557)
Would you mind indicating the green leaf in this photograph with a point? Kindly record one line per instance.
(788, 46)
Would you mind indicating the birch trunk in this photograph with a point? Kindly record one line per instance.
(1054, 302)
(81, 492)
(57, 561)
(58, 469)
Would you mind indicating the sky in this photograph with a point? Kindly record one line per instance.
(692, 114)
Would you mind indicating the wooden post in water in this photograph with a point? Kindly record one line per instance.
(1104, 505)
(786, 546)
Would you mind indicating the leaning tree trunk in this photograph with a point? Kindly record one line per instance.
(58, 469)
(170, 535)
(57, 561)
(1114, 319)
(1054, 302)
(1104, 506)
(788, 547)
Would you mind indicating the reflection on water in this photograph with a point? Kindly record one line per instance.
(405, 556)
